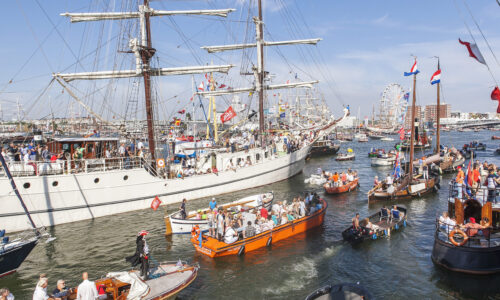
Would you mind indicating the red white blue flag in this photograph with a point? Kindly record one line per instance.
(414, 70)
(473, 51)
(436, 77)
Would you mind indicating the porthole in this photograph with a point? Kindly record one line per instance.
(125, 177)
(55, 183)
(26, 185)
(96, 180)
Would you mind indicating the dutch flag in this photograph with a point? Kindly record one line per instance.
(436, 77)
(413, 70)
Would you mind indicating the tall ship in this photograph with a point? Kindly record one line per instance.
(83, 182)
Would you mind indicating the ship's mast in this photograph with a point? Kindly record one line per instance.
(438, 115)
(412, 135)
(147, 52)
(260, 71)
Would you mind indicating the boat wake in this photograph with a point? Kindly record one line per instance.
(300, 273)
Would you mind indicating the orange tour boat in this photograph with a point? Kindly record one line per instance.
(214, 248)
(341, 189)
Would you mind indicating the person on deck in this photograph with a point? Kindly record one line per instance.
(86, 289)
(376, 182)
(249, 230)
(183, 208)
(61, 291)
(459, 181)
(263, 212)
(355, 222)
(230, 236)
(212, 204)
(141, 255)
(41, 290)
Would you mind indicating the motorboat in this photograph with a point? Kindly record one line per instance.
(174, 222)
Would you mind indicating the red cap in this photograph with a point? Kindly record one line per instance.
(459, 167)
(472, 220)
(143, 232)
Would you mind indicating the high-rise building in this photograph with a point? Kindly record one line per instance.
(431, 112)
(418, 115)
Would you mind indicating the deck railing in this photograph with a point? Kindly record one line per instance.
(483, 238)
(39, 168)
(482, 193)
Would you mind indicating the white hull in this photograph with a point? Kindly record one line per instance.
(315, 180)
(183, 226)
(383, 161)
(63, 198)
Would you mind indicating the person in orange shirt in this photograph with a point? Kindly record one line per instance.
(335, 178)
(459, 181)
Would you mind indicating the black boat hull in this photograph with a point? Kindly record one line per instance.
(323, 150)
(11, 259)
(470, 260)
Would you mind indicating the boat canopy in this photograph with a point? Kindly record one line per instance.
(138, 288)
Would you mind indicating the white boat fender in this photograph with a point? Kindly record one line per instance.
(241, 251)
(436, 188)
(269, 241)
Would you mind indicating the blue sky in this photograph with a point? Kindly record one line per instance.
(366, 46)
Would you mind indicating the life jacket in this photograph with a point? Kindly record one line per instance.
(195, 231)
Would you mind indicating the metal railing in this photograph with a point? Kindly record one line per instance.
(477, 238)
(40, 168)
(482, 193)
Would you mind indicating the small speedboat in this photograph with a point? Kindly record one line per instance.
(382, 224)
(176, 224)
(344, 157)
(475, 146)
(375, 152)
(316, 179)
(363, 139)
(165, 281)
(387, 139)
(346, 291)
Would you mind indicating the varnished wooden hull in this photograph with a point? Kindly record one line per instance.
(341, 189)
(213, 248)
(403, 194)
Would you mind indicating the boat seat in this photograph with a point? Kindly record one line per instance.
(396, 216)
(384, 214)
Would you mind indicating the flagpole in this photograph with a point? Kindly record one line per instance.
(412, 136)
(438, 114)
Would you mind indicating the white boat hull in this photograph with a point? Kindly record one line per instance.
(383, 161)
(64, 198)
(315, 180)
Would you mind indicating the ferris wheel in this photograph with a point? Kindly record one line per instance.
(393, 105)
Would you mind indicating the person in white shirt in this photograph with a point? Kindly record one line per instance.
(230, 236)
(447, 222)
(41, 290)
(86, 289)
(140, 145)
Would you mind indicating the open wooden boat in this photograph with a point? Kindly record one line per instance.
(475, 146)
(375, 152)
(165, 281)
(215, 248)
(349, 291)
(384, 223)
(348, 187)
(344, 157)
(417, 188)
(495, 137)
(176, 224)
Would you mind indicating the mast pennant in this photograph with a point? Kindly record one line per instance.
(473, 50)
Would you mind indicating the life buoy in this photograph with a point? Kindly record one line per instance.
(195, 231)
(451, 237)
(160, 163)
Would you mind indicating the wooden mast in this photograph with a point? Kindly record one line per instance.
(147, 53)
(438, 114)
(412, 136)
(260, 70)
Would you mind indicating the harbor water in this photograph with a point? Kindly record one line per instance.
(390, 268)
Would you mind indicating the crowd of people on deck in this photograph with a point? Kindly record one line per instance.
(86, 290)
(470, 226)
(480, 183)
(336, 179)
(229, 225)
